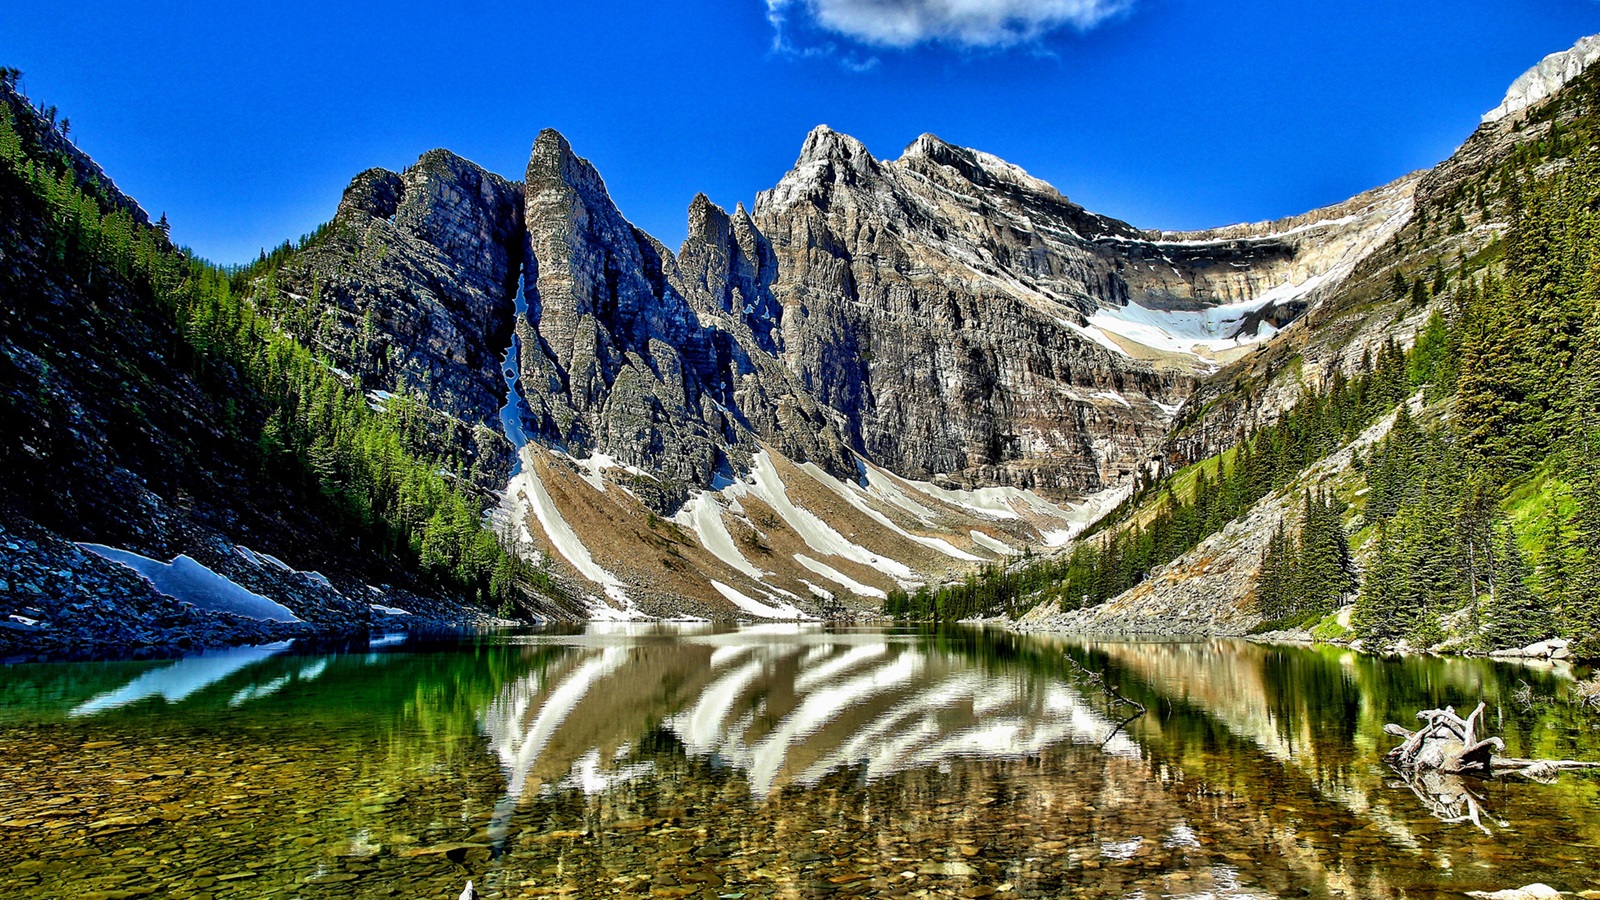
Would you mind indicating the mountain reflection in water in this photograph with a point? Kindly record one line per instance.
(780, 709)
(782, 760)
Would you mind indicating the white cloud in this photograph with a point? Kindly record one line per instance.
(967, 23)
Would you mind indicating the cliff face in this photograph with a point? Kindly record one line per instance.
(943, 317)
(625, 352)
(411, 285)
(966, 319)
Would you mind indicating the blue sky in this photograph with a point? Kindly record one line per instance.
(244, 122)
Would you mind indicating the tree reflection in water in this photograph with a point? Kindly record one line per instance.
(778, 761)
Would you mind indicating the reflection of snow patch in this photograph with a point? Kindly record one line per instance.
(181, 679)
(701, 727)
(257, 691)
(518, 747)
(1121, 849)
(587, 776)
(1181, 835)
(818, 675)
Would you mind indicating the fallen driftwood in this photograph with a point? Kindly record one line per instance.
(1455, 746)
(1432, 761)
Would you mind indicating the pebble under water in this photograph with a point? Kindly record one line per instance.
(774, 761)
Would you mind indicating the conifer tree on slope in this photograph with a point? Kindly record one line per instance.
(1518, 617)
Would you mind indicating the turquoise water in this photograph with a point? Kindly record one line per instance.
(794, 761)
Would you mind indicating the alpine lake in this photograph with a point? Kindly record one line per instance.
(785, 760)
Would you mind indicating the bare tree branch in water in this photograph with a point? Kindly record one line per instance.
(1098, 680)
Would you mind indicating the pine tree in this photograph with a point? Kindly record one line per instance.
(1555, 565)
(1419, 293)
(1274, 578)
(1474, 516)
(1487, 408)
(1379, 616)
(1325, 562)
(1518, 617)
(1399, 287)
(1581, 605)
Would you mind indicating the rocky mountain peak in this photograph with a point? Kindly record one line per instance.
(823, 144)
(827, 158)
(929, 145)
(979, 168)
(710, 223)
(553, 164)
(376, 192)
(707, 221)
(1544, 79)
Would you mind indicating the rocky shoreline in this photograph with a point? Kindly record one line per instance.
(59, 600)
(1105, 622)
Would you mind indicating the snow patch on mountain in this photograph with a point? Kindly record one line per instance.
(702, 515)
(526, 488)
(192, 582)
(756, 607)
(765, 483)
(839, 578)
(1183, 331)
(855, 495)
(989, 543)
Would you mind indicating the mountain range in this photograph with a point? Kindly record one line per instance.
(883, 374)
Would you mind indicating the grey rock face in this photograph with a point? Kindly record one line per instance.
(664, 366)
(940, 304)
(410, 286)
(932, 314)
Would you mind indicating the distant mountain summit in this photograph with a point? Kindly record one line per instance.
(1550, 75)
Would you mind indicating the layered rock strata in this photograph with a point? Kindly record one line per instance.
(943, 316)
